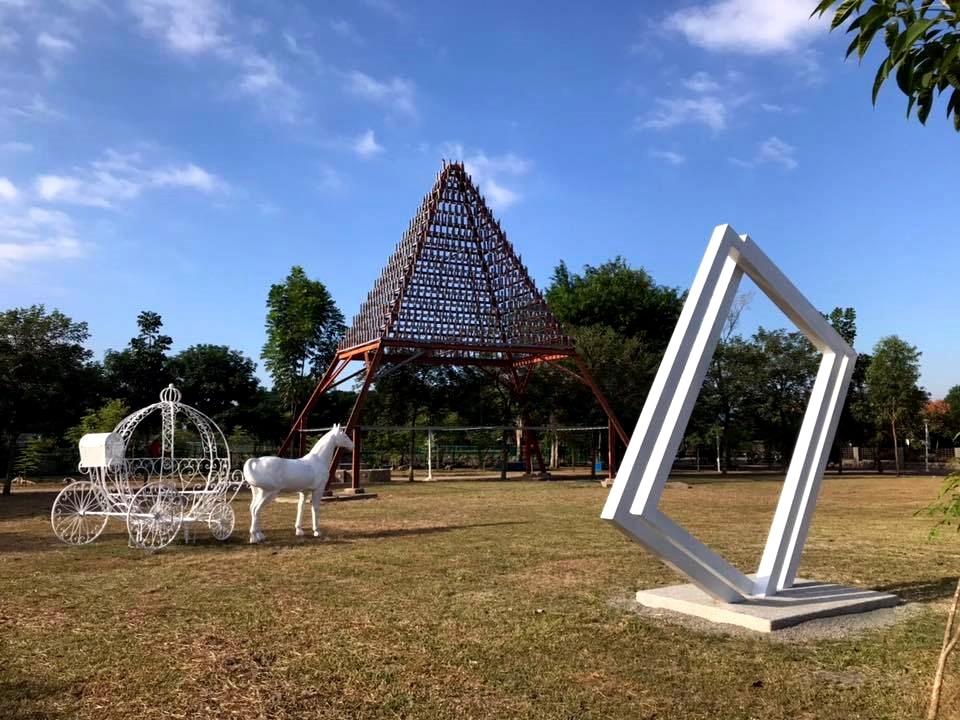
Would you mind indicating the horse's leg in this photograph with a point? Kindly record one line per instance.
(300, 504)
(315, 497)
(268, 497)
(257, 493)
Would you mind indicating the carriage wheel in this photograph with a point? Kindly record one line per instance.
(221, 521)
(79, 514)
(155, 516)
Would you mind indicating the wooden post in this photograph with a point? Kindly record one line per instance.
(355, 464)
(611, 448)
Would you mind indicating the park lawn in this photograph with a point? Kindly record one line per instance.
(460, 600)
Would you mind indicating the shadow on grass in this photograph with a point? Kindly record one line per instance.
(23, 698)
(273, 541)
(29, 542)
(925, 590)
(23, 504)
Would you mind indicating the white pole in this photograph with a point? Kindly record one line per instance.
(429, 454)
(718, 449)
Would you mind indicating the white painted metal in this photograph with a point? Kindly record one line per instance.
(632, 504)
(101, 450)
(139, 489)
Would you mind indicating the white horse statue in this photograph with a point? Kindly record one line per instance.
(270, 476)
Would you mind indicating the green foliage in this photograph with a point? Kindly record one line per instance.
(45, 375)
(784, 368)
(952, 399)
(621, 321)
(31, 457)
(304, 326)
(104, 419)
(616, 296)
(140, 371)
(844, 321)
(923, 47)
(218, 381)
(947, 506)
(891, 382)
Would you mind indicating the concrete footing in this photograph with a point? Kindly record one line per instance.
(806, 600)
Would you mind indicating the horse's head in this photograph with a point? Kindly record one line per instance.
(334, 437)
(340, 438)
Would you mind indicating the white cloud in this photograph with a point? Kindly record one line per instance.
(201, 27)
(9, 39)
(330, 180)
(53, 44)
(772, 151)
(396, 93)
(8, 191)
(14, 146)
(669, 156)
(345, 29)
(776, 151)
(701, 83)
(771, 108)
(366, 145)
(488, 171)
(189, 176)
(187, 26)
(34, 234)
(119, 177)
(52, 51)
(387, 7)
(670, 112)
(262, 80)
(36, 108)
(747, 26)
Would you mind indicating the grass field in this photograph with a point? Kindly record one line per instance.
(460, 600)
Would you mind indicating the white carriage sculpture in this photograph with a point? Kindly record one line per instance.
(155, 496)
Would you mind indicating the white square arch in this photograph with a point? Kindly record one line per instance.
(632, 504)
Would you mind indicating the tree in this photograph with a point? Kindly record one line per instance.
(785, 369)
(218, 381)
(103, 419)
(952, 399)
(892, 390)
(139, 372)
(621, 321)
(304, 326)
(923, 46)
(45, 375)
(616, 296)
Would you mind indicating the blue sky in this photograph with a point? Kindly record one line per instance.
(181, 155)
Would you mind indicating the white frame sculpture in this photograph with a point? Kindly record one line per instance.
(632, 504)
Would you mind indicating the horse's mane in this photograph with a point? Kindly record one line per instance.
(324, 441)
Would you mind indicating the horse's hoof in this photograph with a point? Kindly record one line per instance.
(316, 534)
(299, 532)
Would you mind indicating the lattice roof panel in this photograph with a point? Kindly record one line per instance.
(455, 286)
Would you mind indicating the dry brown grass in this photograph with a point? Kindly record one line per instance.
(458, 600)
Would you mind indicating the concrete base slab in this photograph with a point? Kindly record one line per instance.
(806, 600)
(330, 498)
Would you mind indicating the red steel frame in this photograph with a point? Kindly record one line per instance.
(454, 293)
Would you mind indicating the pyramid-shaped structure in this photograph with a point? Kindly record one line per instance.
(454, 288)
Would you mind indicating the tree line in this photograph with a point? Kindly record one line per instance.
(621, 319)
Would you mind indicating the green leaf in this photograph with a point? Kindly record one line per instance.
(843, 11)
(924, 103)
(910, 36)
(882, 74)
(905, 76)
